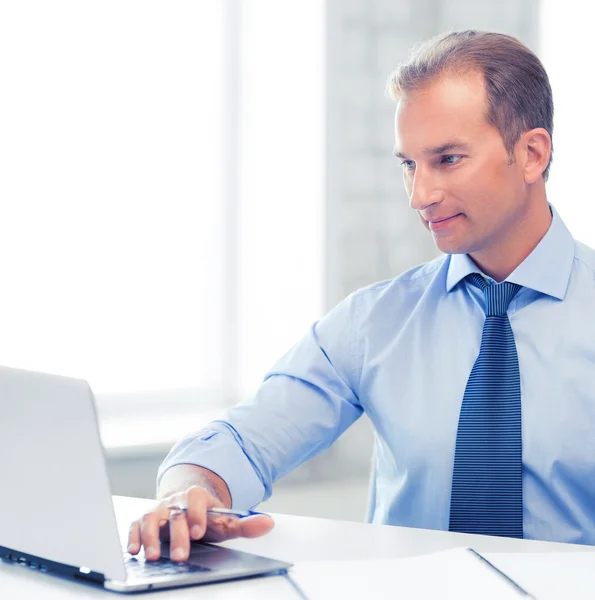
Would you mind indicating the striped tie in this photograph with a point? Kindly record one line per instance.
(487, 492)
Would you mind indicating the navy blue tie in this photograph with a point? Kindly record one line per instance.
(487, 492)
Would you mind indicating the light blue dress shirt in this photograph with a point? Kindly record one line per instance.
(401, 351)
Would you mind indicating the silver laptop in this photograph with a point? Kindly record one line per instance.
(56, 510)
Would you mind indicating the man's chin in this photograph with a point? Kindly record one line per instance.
(451, 246)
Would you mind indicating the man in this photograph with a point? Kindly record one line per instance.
(476, 369)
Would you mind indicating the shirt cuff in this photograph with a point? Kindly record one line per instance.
(221, 454)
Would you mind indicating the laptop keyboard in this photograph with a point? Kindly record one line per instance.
(139, 568)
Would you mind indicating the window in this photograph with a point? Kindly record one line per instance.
(281, 201)
(161, 192)
(112, 191)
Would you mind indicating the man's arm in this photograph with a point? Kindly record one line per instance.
(305, 402)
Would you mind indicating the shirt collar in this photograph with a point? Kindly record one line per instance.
(546, 270)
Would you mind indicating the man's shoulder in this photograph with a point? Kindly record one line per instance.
(413, 281)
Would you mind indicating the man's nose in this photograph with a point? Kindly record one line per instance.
(423, 192)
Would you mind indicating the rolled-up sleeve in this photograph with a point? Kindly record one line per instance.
(304, 404)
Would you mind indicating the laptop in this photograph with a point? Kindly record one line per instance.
(56, 509)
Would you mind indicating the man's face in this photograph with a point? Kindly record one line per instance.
(456, 169)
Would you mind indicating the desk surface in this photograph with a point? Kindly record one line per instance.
(294, 539)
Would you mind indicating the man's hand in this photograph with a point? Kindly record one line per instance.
(200, 490)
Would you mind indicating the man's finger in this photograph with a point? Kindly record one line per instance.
(149, 532)
(178, 536)
(199, 500)
(223, 528)
(251, 527)
(134, 538)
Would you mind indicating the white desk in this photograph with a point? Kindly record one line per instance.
(294, 539)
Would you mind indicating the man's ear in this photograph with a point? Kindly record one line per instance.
(536, 147)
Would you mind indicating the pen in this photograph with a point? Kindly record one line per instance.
(175, 511)
(234, 513)
(512, 582)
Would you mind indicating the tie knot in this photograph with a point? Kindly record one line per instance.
(497, 297)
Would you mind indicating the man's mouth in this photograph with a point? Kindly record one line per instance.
(438, 223)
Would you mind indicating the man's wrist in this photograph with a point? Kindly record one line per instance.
(181, 477)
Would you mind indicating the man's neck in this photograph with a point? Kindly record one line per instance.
(499, 262)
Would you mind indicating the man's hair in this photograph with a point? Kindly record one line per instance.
(517, 87)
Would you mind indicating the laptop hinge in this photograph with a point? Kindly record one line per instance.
(90, 576)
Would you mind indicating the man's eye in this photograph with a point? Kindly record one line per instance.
(451, 159)
(408, 164)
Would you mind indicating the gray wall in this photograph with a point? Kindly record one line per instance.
(371, 233)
